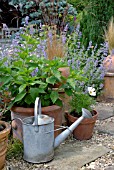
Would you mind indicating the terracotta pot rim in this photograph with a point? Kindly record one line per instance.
(109, 74)
(7, 129)
(84, 121)
(29, 110)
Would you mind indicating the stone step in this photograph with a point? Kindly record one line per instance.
(105, 111)
(75, 155)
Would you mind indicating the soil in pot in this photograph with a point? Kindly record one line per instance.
(84, 130)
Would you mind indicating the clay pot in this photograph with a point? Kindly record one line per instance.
(20, 112)
(108, 90)
(85, 129)
(3, 142)
(65, 72)
(109, 63)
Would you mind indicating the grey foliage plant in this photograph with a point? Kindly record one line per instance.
(50, 12)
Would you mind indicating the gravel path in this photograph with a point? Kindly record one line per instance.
(106, 162)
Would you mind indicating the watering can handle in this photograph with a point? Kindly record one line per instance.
(37, 110)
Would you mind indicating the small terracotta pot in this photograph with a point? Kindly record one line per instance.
(3, 142)
(21, 112)
(85, 129)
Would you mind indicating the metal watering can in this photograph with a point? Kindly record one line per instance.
(38, 135)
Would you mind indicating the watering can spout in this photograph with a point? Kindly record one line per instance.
(86, 113)
(60, 138)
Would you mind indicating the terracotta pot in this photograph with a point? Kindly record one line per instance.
(108, 90)
(109, 63)
(85, 129)
(65, 72)
(3, 142)
(20, 112)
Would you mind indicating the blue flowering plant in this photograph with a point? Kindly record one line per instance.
(89, 59)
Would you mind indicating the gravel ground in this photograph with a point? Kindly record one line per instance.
(106, 162)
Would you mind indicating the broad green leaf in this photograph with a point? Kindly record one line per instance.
(18, 82)
(43, 86)
(68, 92)
(19, 97)
(37, 82)
(47, 96)
(10, 105)
(40, 90)
(28, 99)
(34, 93)
(22, 87)
(71, 82)
(57, 74)
(51, 80)
(7, 79)
(54, 96)
(59, 102)
(18, 63)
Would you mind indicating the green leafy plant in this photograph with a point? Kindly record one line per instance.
(15, 148)
(95, 18)
(79, 4)
(80, 100)
(79, 97)
(25, 75)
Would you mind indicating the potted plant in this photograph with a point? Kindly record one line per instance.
(82, 100)
(4, 131)
(109, 63)
(25, 76)
(27, 73)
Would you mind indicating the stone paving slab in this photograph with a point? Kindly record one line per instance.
(73, 155)
(108, 128)
(104, 111)
(109, 168)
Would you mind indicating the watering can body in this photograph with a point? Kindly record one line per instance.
(38, 135)
(38, 141)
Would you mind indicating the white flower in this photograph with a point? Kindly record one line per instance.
(92, 91)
